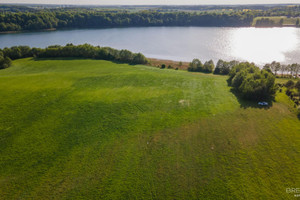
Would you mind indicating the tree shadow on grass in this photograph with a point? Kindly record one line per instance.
(254, 103)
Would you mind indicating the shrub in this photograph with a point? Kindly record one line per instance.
(297, 85)
(5, 62)
(289, 84)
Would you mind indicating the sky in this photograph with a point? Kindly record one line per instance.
(151, 2)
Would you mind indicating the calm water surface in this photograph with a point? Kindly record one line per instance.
(259, 45)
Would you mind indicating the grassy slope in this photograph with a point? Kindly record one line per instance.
(72, 129)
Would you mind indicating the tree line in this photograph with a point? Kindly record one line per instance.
(291, 70)
(20, 18)
(222, 67)
(70, 50)
(197, 66)
(289, 11)
(248, 80)
(85, 18)
(266, 22)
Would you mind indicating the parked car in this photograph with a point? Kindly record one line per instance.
(263, 103)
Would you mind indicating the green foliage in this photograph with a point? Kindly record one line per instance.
(240, 67)
(289, 84)
(89, 51)
(5, 62)
(297, 85)
(195, 66)
(86, 18)
(293, 91)
(265, 22)
(29, 18)
(70, 50)
(139, 58)
(275, 67)
(251, 82)
(267, 67)
(224, 67)
(208, 66)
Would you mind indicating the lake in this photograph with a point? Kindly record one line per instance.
(258, 45)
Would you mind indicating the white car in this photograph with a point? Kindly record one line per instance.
(263, 103)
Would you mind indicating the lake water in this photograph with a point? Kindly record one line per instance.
(258, 45)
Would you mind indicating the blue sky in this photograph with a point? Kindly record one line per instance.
(149, 2)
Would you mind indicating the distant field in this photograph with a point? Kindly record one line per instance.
(286, 20)
(89, 129)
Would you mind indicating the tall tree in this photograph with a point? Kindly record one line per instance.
(283, 69)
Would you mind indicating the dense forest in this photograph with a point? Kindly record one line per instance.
(92, 19)
(20, 18)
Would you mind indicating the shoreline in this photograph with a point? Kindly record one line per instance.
(156, 62)
(26, 31)
(55, 29)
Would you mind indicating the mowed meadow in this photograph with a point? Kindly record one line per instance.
(91, 129)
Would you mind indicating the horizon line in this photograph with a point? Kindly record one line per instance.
(150, 4)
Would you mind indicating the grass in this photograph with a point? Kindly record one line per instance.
(88, 129)
(285, 80)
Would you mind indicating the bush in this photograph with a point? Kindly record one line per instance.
(289, 84)
(297, 85)
(163, 66)
(5, 62)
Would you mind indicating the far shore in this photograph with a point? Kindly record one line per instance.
(26, 31)
(55, 29)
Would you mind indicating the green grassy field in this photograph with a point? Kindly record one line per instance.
(88, 129)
